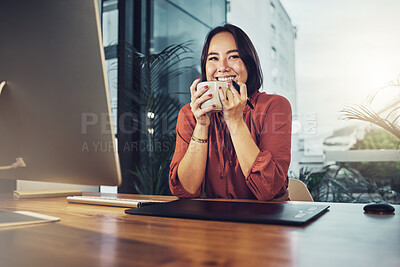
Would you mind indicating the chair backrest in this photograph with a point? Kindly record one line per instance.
(298, 191)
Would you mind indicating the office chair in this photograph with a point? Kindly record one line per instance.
(298, 191)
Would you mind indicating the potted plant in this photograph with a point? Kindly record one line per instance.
(159, 113)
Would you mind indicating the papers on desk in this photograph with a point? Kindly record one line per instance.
(17, 218)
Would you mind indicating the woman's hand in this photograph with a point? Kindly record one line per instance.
(234, 105)
(197, 98)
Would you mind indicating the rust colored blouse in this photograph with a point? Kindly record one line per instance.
(270, 124)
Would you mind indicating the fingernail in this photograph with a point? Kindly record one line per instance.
(214, 106)
(198, 78)
(206, 86)
(220, 87)
(210, 95)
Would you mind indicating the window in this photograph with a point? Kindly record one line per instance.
(110, 22)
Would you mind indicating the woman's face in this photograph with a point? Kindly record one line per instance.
(223, 61)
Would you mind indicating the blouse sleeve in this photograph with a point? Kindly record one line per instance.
(268, 175)
(184, 130)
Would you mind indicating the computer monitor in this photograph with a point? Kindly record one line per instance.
(55, 123)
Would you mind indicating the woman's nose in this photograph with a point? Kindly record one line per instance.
(223, 65)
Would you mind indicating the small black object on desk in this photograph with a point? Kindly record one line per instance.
(379, 208)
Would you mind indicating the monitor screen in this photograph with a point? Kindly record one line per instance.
(55, 123)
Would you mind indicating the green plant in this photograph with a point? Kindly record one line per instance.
(366, 113)
(377, 139)
(389, 138)
(158, 113)
(340, 183)
(383, 173)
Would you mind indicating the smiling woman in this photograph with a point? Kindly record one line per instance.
(241, 50)
(240, 152)
(223, 61)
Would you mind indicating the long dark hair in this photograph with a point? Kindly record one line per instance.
(247, 53)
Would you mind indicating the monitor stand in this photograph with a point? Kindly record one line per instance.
(19, 162)
(2, 84)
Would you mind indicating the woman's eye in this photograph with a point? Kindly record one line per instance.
(212, 58)
(234, 56)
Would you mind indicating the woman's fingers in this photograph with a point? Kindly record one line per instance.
(193, 86)
(233, 89)
(204, 111)
(243, 91)
(200, 112)
(222, 96)
(234, 97)
(198, 97)
(203, 99)
(229, 96)
(198, 94)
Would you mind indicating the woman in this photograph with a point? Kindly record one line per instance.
(240, 152)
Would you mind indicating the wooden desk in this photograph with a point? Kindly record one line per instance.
(90, 235)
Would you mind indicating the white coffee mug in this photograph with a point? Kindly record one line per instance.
(213, 88)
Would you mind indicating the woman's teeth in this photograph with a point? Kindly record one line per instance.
(227, 79)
